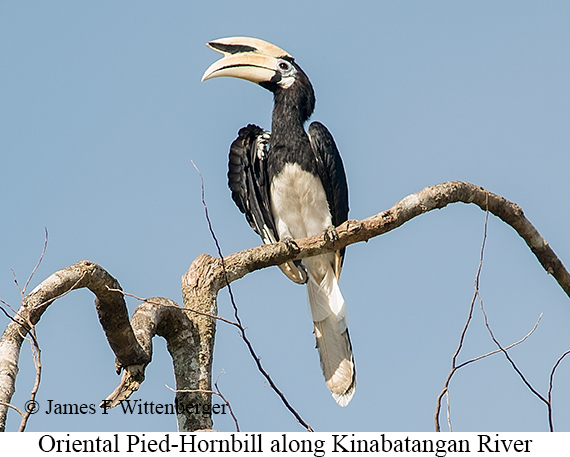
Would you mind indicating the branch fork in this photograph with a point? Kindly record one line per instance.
(190, 330)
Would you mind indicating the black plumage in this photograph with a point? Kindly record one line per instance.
(247, 177)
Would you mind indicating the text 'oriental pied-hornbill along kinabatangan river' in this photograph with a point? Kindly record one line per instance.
(291, 184)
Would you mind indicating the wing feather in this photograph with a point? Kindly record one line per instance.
(247, 179)
(249, 183)
(333, 177)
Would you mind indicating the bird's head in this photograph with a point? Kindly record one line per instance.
(265, 64)
(253, 60)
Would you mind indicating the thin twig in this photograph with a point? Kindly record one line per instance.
(501, 349)
(36, 353)
(218, 248)
(238, 320)
(35, 347)
(15, 408)
(225, 400)
(190, 310)
(454, 368)
(511, 361)
(17, 285)
(6, 312)
(496, 351)
(37, 264)
(9, 306)
(550, 423)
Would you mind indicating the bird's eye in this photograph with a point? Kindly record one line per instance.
(285, 73)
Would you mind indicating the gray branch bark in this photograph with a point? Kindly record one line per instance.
(183, 334)
(110, 306)
(189, 335)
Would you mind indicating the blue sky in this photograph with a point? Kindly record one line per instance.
(102, 110)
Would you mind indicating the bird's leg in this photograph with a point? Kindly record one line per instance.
(330, 234)
(290, 243)
(294, 269)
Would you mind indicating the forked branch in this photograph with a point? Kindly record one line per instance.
(207, 275)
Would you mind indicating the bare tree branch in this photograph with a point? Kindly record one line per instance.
(6, 312)
(445, 390)
(550, 387)
(455, 367)
(36, 352)
(160, 316)
(496, 351)
(350, 232)
(176, 305)
(111, 308)
(15, 408)
(511, 361)
(207, 275)
(547, 401)
(216, 273)
(23, 291)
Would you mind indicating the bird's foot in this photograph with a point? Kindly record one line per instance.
(330, 234)
(290, 243)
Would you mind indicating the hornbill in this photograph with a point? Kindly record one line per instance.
(291, 184)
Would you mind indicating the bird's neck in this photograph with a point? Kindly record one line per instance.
(289, 116)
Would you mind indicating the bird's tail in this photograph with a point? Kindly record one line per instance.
(333, 342)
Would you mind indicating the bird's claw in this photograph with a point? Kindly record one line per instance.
(291, 244)
(330, 234)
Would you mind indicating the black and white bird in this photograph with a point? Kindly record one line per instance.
(291, 184)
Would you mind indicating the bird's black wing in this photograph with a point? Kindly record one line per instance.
(332, 175)
(248, 181)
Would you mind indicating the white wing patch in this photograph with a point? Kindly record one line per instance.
(261, 144)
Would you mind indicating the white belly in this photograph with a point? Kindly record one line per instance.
(299, 203)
